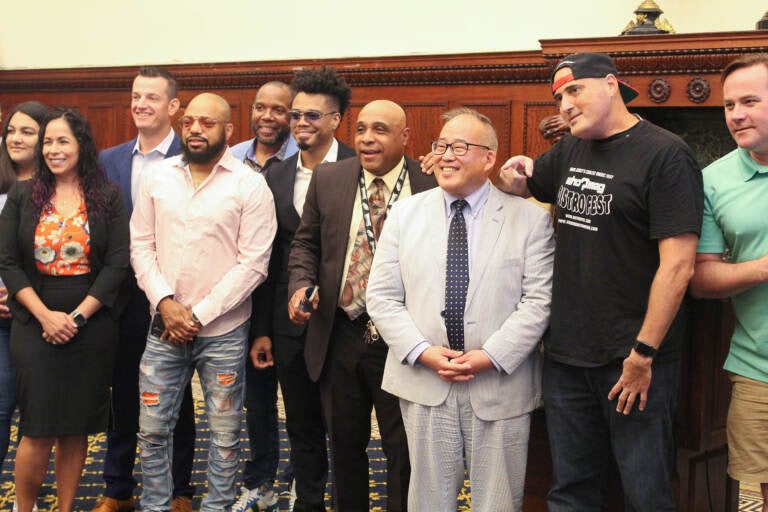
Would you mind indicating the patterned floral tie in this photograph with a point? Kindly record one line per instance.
(353, 294)
(456, 277)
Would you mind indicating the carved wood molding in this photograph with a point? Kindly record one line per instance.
(635, 55)
(664, 54)
(478, 69)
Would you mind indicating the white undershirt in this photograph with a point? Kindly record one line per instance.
(303, 175)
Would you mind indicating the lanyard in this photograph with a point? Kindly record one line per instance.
(367, 209)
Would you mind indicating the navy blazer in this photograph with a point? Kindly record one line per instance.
(108, 256)
(118, 160)
(270, 300)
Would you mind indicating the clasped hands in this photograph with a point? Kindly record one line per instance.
(58, 327)
(455, 365)
(180, 327)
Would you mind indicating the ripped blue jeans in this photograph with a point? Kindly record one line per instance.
(164, 372)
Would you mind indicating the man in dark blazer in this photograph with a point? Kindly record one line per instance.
(314, 91)
(342, 350)
(154, 102)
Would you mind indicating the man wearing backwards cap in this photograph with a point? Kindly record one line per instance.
(628, 196)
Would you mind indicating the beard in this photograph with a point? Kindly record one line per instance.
(205, 155)
(303, 145)
(277, 139)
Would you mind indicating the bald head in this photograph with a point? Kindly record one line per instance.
(384, 109)
(381, 135)
(205, 129)
(213, 104)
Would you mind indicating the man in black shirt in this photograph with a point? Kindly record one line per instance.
(629, 201)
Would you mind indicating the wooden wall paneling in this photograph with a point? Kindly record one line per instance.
(104, 122)
(533, 142)
(499, 114)
(126, 128)
(425, 122)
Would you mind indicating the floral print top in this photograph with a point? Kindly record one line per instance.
(62, 244)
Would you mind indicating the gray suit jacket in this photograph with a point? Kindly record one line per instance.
(507, 308)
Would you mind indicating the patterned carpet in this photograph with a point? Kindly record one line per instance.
(750, 500)
(92, 484)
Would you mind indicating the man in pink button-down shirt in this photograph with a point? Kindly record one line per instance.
(201, 237)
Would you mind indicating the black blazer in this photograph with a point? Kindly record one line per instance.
(109, 254)
(270, 300)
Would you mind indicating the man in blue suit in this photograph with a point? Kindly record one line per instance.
(153, 103)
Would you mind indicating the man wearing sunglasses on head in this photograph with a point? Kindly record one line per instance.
(320, 98)
(201, 237)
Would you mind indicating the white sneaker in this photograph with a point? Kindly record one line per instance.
(292, 499)
(258, 499)
(16, 506)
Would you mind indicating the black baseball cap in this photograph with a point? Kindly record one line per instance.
(591, 65)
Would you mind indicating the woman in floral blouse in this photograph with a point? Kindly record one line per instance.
(63, 257)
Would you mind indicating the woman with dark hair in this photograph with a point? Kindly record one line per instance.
(17, 162)
(63, 256)
(17, 147)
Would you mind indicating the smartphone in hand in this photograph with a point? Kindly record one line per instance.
(309, 297)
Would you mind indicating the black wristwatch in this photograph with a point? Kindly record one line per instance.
(644, 349)
(79, 319)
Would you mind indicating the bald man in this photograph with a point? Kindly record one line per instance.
(344, 210)
(201, 237)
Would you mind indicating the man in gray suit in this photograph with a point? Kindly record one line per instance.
(460, 290)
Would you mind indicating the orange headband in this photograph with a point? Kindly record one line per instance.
(561, 81)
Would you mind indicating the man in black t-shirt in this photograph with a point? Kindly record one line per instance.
(628, 197)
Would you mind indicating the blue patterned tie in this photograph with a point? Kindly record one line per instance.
(456, 277)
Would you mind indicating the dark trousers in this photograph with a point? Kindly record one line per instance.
(303, 422)
(352, 388)
(261, 420)
(121, 440)
(585, 431)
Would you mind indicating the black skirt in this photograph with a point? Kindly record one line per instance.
(64, 389)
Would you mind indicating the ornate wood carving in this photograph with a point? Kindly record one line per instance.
(659, 90)
(698, 90)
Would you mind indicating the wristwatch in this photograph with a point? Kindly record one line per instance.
(79, 319)
(644, 349)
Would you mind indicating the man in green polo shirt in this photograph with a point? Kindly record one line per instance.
(732, 261)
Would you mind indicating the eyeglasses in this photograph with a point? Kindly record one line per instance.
(205, 121)
(459, 148)
(311, 116)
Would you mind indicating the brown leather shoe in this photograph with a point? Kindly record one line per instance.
(181, 504)
(105, 504)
